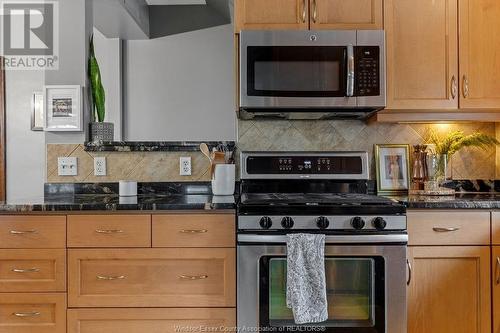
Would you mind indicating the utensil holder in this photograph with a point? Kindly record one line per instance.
(224, 178)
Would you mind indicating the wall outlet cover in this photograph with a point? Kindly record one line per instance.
(67, 166)
(185, 166)
(100, 166)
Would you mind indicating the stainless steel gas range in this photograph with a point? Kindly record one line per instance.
(366, 241)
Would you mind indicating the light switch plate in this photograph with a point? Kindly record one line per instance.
(67, 166)
(100, 166)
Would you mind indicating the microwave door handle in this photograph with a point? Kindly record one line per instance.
(350, 70)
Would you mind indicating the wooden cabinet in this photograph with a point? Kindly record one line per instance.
(422, 54)
(341, 14)
(152, 278)
(32, 232)
(480, 53)
(496, 287)
(32, 270)
(449, 290)
(109, 231)
(32, 313)
(305, 14)
(448, 227)
(152, 320)
(271, 14)
(194, 230)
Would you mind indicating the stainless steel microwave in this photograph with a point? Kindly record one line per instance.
(312, 74)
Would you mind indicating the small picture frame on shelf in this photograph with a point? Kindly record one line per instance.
(63, 108)
(392, 168)
(37, 111)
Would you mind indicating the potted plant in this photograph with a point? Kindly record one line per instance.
(99, 129)
(445, 146)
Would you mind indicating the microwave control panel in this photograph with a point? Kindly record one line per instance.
(367, 70)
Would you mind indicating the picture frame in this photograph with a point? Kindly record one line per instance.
(63, 108)
(392, 163)
(37, 107)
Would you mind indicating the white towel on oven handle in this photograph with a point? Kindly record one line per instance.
(306, 281)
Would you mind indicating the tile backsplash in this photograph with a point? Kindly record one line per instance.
(470, 163)
(139, 166)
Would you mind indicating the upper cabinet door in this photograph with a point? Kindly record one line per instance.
(422, 54)
(271, 15)
(342, 14)
(480, 53)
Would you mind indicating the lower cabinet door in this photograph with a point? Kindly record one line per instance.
(149, 320)
(496, 289)
(449, 290)
(191, 277)
(32, 313)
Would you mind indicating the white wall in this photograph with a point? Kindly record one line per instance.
(25, 148)
(180, 87)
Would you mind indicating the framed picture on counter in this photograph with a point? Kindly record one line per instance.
(63, 108)
(393, 168)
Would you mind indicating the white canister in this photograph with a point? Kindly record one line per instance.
(224, 179)
(128, 188)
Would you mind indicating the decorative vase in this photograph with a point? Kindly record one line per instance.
(438, 167)
(101, 131)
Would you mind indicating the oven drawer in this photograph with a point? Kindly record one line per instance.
(194, 230)
(448, 227)
(152, 278)
(38, 270)
(109, 231)
(32, 313)
(149, 320)
(32, 232)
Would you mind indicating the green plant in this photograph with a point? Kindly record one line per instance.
(98, 94)
(456, 140)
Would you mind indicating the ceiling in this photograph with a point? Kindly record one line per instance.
(176, 2)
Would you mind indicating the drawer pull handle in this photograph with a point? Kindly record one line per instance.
(408, 281)
(107, 232)
(23, 232)
(109, 278)
(440, 229)
(200, 231)
(193, 277)
(26, 314)
(497, 271)
(26, 270)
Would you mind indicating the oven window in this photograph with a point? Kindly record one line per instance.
(355, 292)
(296, 71)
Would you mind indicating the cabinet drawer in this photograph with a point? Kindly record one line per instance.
(495, 228)
(149, 320)
(448, 228)
(152, 278)
(191, 230)
(109, 231)
(32, 232)
(32, 270)
(32, 313)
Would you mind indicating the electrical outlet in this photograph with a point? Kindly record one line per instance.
(100, 166)
(67, 166)
(185, 166)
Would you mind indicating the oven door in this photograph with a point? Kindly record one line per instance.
(366, 289)
(297, 70)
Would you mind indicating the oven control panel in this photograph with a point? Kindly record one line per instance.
(367, 71)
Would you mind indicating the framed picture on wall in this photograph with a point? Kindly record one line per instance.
(63, 108)
(393, 168)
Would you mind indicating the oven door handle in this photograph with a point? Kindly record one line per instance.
(350, 71)
(330, 239)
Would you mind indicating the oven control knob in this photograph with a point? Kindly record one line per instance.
(266, 222)
(322, 222)
(287, 222)
(357, 223)
(379, 223)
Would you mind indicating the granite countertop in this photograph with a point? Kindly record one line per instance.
(113, 202)
(458, 201)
